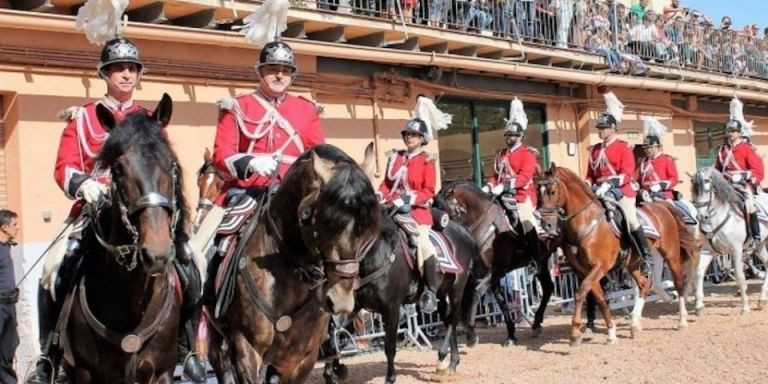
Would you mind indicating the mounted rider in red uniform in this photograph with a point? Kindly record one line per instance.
(258, 136)
(77, 175)
(610, 170)
(738, 161)
(658, 173)
(409, 185)
(514, 168)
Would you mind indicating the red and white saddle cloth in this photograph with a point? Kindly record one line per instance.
(446, 254)
(649, 227)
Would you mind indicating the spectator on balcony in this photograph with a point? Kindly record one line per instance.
(545, 26)
(600, 43)
(407, 7)
(502, 17)
(639, 9)
(581, 15)
(680, 47)
(661, 41)
(563, 10)
(437, 12)
(674, 10)
(642, 38)
(619, 19)
(599, 20)
(478, 18)
(525, 18)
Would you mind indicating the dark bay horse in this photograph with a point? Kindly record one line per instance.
(299, 266)
(124, 314)
(567, 203)
(387, 282)
(500, 253)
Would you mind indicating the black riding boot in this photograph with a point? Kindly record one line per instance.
(47, 312)
(645, 250)
(428, 300)
(754, 227)
(190, 317)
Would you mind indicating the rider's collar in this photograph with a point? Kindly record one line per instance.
(415, 153)
(609, 142)
(112, 103)
(272, 100)
(514, 147)
(657, 155)
(735, 142)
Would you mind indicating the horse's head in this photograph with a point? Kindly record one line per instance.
(709, 190)
(209, 184)
(338, 219)
(147, 208)
(552, 192)
(460, 199)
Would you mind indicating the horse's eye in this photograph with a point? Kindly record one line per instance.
(305, 215)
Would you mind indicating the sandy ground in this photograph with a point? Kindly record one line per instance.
(722, 346)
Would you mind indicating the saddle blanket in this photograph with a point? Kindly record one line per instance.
(446, 255)
(685, 211)
(650, 229)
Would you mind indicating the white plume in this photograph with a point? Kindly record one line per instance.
(653, 127)
(435, 118)
(517, 114)
(614, 106)
(266, 23)
(101, 19)
(737, 113)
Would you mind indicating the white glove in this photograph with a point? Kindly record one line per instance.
(656, 188)
(398, 203)
(263, 165)
(91, 191)
(486, 188)
(498, 189)
(379, 197)
(604, 187)
(737, 177)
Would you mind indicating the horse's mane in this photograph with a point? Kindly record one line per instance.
(348, 194)
(138, 133)
(723, 190)
(469, 186)
(203, 168)
(572, 180)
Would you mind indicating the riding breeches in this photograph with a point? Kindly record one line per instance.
(525, 212)
(749, 200)
(425, 249)
(202, 240)
(55, 256)
(630, 212)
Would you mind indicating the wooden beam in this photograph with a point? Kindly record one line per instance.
(436, 48)
(151, 13)
(331, 35)
(372, 40)
(470, 51)
(201, 19)
(410, 44)
(495, 55)
(547, 60)
(295, 30)
(32, 5)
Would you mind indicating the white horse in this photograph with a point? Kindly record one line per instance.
(722, 221)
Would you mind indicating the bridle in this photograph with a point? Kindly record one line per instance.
(559, 211)
(127, 254)
(707, 217)
(205, 204)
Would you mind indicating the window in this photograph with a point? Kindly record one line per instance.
(708, 135)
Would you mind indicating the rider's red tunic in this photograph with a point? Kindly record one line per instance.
(516, 166)
(614, 163)
(659, 170)
(411, 176)
(732, 159)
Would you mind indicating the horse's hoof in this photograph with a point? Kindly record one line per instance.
(390, 381)
(442, 366)
(341, 371)
(575, 342)
(473, 341)
(536, 332)
(700, 311)
(612, 341)
(636, 330)
(682, 326)
(745, 311)
(509, 343)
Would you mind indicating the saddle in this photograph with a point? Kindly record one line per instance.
(446, 251)
(619, 225)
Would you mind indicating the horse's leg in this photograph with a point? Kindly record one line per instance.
(498, 294)
(475, 291)
(675, 265)
(738, 264)
(707, 255)
(332, 369)
(547, 287)
(586, 285)
(391, 317)
(442, 352)
(248, 363)
(219, 357)
(599, 297)
(642, 292)
(658, 270)
(764, 289)
(454, 316)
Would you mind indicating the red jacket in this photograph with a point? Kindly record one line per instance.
(740, 158)
(412, 177)
(246, 129)
(516, 166)
(81, 142)
(613, 163)
(660, 170)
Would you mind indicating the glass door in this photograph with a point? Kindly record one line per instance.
(708, 135)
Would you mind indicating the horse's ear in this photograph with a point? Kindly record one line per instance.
(106, 118)
(692, 176)
(552, 166)
(369, 162)
(207, 155)
(323, 168)
(162, 114)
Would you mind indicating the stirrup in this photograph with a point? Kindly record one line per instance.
(428, 302)
(189, 355)
(41, 359)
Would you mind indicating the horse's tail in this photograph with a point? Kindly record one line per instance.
(689, 243)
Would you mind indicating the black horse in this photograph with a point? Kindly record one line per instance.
(298, 265)
(124, 314)
(500, 253)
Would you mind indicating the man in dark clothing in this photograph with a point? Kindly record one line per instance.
(9, 337)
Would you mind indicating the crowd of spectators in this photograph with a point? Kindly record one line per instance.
(627, 37)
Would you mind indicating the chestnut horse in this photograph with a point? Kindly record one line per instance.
(298, 266)
(567, 203)
(500, 253)
(124, 313)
